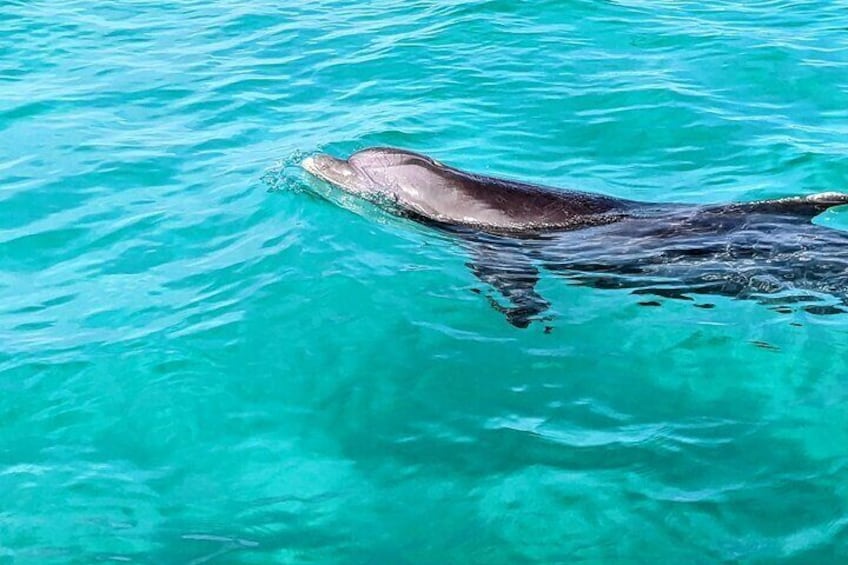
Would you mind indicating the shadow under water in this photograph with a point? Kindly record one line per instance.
(778, 259)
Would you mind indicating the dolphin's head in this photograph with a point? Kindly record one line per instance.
(381, 173)
(341, 173)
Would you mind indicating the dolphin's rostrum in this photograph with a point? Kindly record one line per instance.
(767, 250)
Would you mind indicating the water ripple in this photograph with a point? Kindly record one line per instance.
(204, 359)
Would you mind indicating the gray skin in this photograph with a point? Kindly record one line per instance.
(420, 186)
(766, 250)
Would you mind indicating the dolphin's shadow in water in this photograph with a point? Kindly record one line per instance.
(769, 251)
(778, 260)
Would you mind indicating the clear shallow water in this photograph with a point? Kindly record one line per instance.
(195, 369)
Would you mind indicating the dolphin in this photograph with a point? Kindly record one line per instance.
(767, 250)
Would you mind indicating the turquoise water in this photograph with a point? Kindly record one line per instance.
(197, 369)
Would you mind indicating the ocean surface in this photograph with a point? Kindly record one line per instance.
(203, 361)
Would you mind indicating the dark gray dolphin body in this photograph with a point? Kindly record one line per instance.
(419, 185)
(768, 250)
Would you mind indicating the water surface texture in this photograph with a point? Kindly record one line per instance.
(197, 369)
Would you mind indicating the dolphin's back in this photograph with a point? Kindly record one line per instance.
(500, 204)
(535, 207)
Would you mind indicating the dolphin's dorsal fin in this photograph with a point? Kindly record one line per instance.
(801, 206)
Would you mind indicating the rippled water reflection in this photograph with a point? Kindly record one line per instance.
(195, 369)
